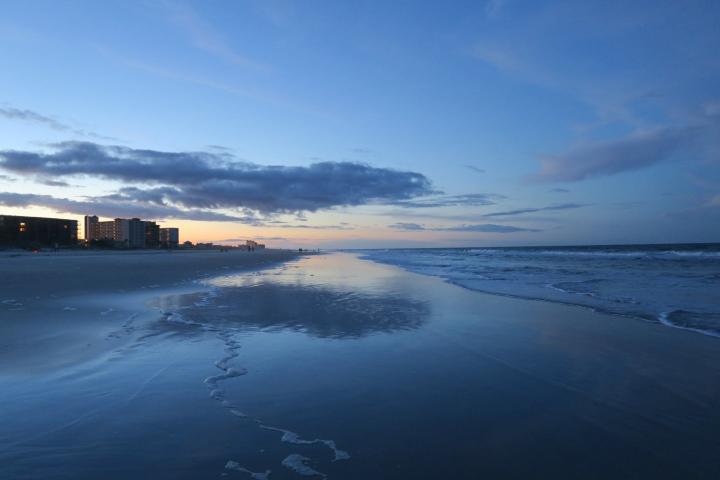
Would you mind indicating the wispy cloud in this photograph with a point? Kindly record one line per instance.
(361, 150)
(34, 117)
(462, 200)
(30, 116)
(549, 208)
(615, 156)
(316, 227)
(56, 183)
(474, 168)
(477, 228)
(493, 8)
(206, 37)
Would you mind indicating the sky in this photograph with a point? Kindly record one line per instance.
(367, 124)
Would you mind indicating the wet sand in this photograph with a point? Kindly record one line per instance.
(68, 307)
(331, 366)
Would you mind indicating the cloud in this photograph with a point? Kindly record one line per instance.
(56, 183)
(206, 180)
(615, 156)
(563, 206)
(317, 227)
(250, 237)
(205, 37)
(6, 178)
(478, 227)
(463, 200)
(714, 201)
(493, 8)
(113, 209)
(220, 148)
(407, 226)
(474, 168)
(30, 116)
(25, 115)
(361, 150)
(559, 190)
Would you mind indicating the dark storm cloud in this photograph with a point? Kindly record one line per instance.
(611, 157)
(521, 211)
(208, 180)
(478, 227)
(105, 207)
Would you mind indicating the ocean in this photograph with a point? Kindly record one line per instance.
(677, 285)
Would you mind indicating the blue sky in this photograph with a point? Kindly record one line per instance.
(532, 122)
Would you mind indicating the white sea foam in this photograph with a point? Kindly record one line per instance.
(292, 437)
(664, 318)
(298, 463)
(233, 465)
(636, 281)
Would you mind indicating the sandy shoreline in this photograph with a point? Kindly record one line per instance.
(73, 306)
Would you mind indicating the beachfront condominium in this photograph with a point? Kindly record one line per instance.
(152, 235)
(126, 233)
(169, 237)
(30, 232)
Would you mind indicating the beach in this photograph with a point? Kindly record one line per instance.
(275, 365)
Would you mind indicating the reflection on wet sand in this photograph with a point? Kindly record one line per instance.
(319, 312)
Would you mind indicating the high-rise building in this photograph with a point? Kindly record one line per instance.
(131, 233)
(136, 233)
(169, 237)
(25, 232)
(152, 235)
(91, 227)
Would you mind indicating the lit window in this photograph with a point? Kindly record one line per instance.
(23, 227)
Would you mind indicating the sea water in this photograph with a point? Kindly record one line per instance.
(677, 285)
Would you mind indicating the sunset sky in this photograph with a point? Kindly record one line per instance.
(367, 124)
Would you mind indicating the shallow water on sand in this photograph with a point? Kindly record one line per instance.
(332, 366)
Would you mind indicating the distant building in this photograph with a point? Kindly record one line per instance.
(27, 232)
(135, 233)
(152, 235)
(252, 245)
(91, 222)
(169, 237)
(123, 232)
